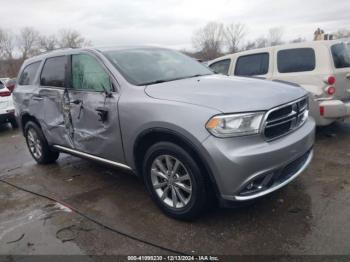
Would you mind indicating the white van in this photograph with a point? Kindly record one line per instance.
(320, 67)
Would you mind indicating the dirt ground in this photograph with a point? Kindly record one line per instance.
(309, 216)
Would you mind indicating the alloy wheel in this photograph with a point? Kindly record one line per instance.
(34, 143)
(171, 181)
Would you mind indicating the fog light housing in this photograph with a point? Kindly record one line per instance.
(257, 184)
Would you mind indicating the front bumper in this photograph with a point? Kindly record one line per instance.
(235, 162)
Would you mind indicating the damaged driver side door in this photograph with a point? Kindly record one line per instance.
(94, 108)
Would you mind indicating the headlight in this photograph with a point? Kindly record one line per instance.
(235, 124)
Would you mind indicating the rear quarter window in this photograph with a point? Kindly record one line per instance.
(296, 60)
(250, 65)
(341, 55)
(54, 72)
(28, 74)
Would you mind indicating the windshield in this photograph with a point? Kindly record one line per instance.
(142, 66)
(1, 85)
(341, 55)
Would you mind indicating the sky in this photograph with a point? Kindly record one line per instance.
(171, 23)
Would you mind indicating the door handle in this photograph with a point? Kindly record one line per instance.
(76, 102)
(102, 113)
(37, 98)
(347, 75)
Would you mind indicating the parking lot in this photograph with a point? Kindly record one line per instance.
(309, 216)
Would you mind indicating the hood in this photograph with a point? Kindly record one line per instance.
(227, 94)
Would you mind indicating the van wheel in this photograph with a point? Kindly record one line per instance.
(174, 181)
(38, 146)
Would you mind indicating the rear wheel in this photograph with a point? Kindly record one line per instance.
(38, 146)
(174, 181)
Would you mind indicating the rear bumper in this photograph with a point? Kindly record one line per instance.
(7, 117)
(334, 109)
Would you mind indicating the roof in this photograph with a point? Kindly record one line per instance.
(65, 51)
(289, 45)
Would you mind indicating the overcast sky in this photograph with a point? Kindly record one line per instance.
(171, 22)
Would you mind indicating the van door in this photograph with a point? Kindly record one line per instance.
(94, 109)
(341, 58)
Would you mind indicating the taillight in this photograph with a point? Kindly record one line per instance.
(322, 110)
(5, 93)
(330, 90)
(331, 80)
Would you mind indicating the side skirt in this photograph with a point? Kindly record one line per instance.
(89, 156)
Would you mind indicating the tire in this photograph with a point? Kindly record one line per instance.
(187, 206)
(14, 123)
(37, 144)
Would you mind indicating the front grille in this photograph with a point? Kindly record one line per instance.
(284, 119)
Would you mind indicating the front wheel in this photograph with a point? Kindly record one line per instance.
(174, 181)
(38, 146)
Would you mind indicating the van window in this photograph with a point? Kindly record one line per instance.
(54, 72)
(250, 65)
(221, 67)
(341, 55)
(88, 74)
(28, 74)
(296, 60)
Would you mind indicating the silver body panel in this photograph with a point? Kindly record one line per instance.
(182, 107)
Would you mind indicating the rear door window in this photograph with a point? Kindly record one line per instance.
(341, 55)
(28, 74)
(296, 60)
(250, 65)
(221, 67)
(54, 72)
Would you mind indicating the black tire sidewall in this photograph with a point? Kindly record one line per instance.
(198, 199)
(47, 155)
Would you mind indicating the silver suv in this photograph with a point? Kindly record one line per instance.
(191, 135)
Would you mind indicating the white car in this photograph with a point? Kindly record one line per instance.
(4, 80)
(7, 110)
(320, 67)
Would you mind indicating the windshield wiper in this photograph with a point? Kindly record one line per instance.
(172, 79)
(155, 82)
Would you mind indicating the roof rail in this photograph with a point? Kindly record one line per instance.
(57, 49)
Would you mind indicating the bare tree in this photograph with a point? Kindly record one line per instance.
(209, 40)
(28, 42)
(275, 36)
(249, 45)
(234, 33)
(48, 43)
(298, 40)
(7, 44)
(261, 42)
(72, 39)
(341, 33)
